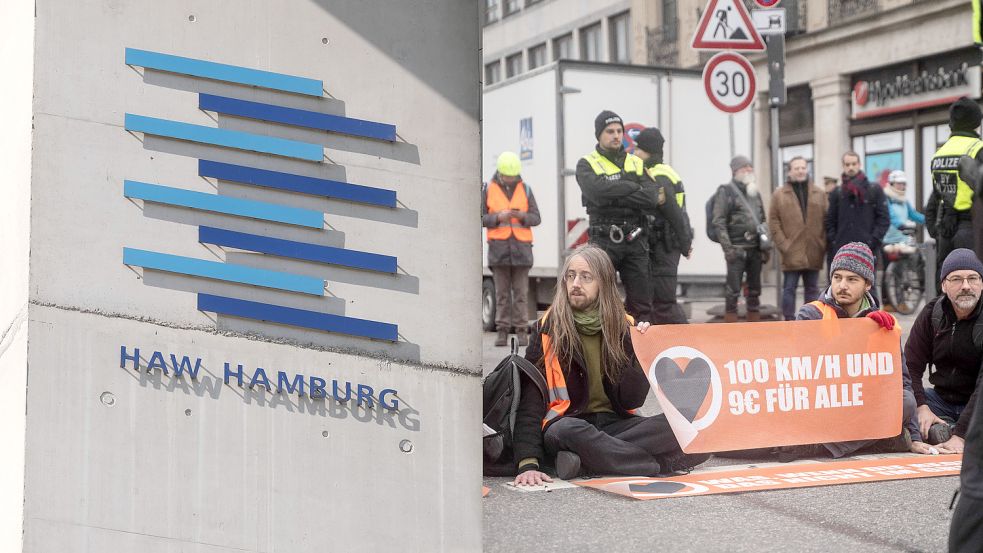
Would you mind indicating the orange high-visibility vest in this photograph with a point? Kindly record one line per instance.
(498, 202)
(826, 311)
(556, 383)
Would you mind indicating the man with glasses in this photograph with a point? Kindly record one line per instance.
(949, 336)
(583, 347)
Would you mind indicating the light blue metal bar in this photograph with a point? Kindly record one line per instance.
(223, 204)
(224, 72)
(224, 137)
(223, 271)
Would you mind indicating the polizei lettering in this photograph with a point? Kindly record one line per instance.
(273, 381)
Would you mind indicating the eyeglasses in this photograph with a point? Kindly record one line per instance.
(585, 278)
(972, 280)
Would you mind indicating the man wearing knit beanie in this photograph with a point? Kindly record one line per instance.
(618, 201)
(955, 183)
(848, 296)
(948, 335)
(670, 236)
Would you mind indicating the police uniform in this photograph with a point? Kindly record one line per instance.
(949, 207)
(611, 185)
(670, 235)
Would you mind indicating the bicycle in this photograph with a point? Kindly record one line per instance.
(904, 275)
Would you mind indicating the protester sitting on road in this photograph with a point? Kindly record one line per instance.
(948, 334)
(583, 346)
(848, 296)
(903, 215)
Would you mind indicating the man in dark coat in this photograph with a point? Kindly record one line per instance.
(857, 212)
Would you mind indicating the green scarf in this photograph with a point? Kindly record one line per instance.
(588, 322)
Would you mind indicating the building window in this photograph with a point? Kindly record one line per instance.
(510, 6)
(491, 11)
(513, 65)
(532, 2)
(590, 42)
(618, 28)
(670, 21)
(493, 72)
(563, 47)
(537, 56)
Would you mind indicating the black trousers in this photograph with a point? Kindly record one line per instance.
(747, 263)
(966, 529)
(963, 238)
(610, 444)
(664, 268)
(631, 260)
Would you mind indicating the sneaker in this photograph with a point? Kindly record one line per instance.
(898, 444)
(789, 453)
(680, 463)
(938, 433)
(567, 465)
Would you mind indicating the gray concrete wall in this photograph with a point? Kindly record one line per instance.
(127, 459)
(16, 65)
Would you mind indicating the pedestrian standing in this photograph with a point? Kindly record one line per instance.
(796, 219)
(670, 234)
(857, 212)
(611, 185)
(738, 216)
(949, 209)
(509, 211)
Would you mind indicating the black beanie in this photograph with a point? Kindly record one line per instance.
(964, 115)
(650, 140)
(604, 119)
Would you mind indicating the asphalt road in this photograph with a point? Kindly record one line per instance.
(904, 515)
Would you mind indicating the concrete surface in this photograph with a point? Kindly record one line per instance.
(906, 515)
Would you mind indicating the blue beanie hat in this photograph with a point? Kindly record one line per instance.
(961, 259)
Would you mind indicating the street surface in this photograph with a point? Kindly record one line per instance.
(901, 515)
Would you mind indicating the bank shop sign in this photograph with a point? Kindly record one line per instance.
(907, 92)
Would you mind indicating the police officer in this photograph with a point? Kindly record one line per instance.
(948, 213)
(670, 235)
(617, 197)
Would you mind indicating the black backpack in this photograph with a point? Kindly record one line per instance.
(500, 400)
(938, 319)
(712, 230)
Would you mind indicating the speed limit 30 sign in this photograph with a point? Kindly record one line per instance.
(729, 81)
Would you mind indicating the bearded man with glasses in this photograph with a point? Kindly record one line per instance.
(949, 336)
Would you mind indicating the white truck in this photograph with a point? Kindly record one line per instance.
(547, 117)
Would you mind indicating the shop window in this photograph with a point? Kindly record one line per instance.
(590, 42)
(563, 47)
(619, 28)
(537, 56)
(513, 65)
(493, 72)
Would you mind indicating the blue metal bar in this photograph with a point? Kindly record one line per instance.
(224, 137)
(297, 183)
(223, 204)
(224, 72)
(297, 317)
(223, 271)
(297, 117)
(297, 250)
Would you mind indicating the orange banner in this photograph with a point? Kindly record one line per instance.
(725, 387)
(780, 477)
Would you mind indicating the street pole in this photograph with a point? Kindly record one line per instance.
(777, 97)
(776, 179)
